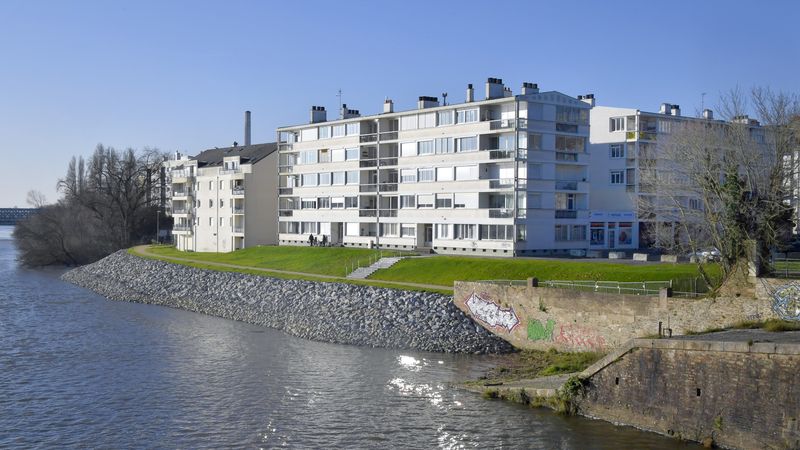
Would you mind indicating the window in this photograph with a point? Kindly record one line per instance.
(408, 122)
(221, 203)
(616, 124)
(565, 201)
(465, 200)
(309, 179)
(467, 144)
(338, 178)
(444, 174)
(572, 115)
(408, 175)
(444, 145)
(616, 151)
(427, 120)
(597, 234)
(221, 185)
(211, 203)
(351, 202)
(338, 130)
(353, 128)
(308, 227)
(352, 229)
(324, 155)
(352, 177)
(408, 230)
(408, 149)
(466, 173)
(337, 202)
(578, 233)
(570, 144)
(323, 202)
(442, 231)
(497, 232)
(445, 118)
(325, 132)
(522, 232)
(467, 115)
(308, 203)
(309, 134)
(198, 203)
(562, 232)
(444, 200)
(425, 201)
(534, 141)
(424, 175)
(425, 147)
(351, 154)
(222, 221)
(390, 229)
(464, 231)
(617, 177)
(337, 155)
(210, 185)
(408, 201)
(325, 179)
(308, 157)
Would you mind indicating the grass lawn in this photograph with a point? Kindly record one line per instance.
(443, 270)
(316, 260)
(529, 364)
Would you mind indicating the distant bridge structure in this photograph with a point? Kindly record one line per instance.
(10, 216)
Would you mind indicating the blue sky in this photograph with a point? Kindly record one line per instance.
(178, 75)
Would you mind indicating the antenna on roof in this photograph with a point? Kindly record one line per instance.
(444, 98)
(341, 112)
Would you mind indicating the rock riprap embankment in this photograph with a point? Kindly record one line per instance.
(330, 312)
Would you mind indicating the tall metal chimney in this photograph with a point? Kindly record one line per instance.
(247, 128)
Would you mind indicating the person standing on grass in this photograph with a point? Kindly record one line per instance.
(310, 240)
(324, 239)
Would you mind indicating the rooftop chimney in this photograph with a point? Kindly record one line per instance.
(494, 88)
(665, 108)
(318, 114)
(530, 88)
(427, 102)
(470, 93)
(675, 110)
(588, 99)
(708, 114)
(247, 128)
(349, 113)
(388, 106)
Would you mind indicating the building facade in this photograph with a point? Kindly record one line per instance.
(224, 199)
(502, 176)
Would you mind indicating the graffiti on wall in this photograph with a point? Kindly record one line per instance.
(539, 332)
(491, 313)
(786, 301)
(577, 336)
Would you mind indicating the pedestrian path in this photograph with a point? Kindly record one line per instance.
(364, 272)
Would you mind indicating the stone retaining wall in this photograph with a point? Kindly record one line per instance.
(330, 312)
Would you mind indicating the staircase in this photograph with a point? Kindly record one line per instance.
(364, 272)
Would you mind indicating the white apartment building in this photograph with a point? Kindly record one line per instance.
(502, 176)
(224, 199)
(624, 142)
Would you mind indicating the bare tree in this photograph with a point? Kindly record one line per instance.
(723, 183)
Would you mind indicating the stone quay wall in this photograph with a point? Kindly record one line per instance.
(329, 312)
(572, 320)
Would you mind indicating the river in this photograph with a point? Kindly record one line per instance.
(80, 371)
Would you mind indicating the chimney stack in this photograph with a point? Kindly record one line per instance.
(388, 106)
(665, 108)
(427, 102)
(349, 113)
(708, 114)
(675, 110)
(247, 128)
(588, 99)
(530, 88)
(494, 88)
(470, 93)
(318, 114)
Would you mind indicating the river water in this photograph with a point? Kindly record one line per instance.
(80, 371)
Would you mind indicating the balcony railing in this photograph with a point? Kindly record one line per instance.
(285, 191)
(237, 190)
(181, 228)
(238, 228)
(566, 214)
(563, 156)
(181, 193)
(373, 137)
(180, 210)
(238, 210)
(181, 174)
(501, 183)
(387, 213)
(562, 185)
(501, 213)
(367, 213)
(388, 187)
(229, 171)
(501, 154)
(368, 163)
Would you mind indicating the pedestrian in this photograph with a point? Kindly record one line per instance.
(324, 240)
(314, 241)
(310, 240)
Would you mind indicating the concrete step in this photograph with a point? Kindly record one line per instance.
(364, 272)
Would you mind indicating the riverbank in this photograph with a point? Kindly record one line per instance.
(322, 311)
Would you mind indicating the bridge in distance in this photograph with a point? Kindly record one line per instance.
(10, 216)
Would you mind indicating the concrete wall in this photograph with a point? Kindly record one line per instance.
(738, 394)
(261, 203)
(570, 320)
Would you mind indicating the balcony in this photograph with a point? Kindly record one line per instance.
(181, 194)
(181, 228)
(566, 214)
(388, 187)
(237, 190)
(238, 210)
(285, 191)
(373, 137)
(229, 171)
(238, 228)
(184, 210)
(503, 183)
(180, 176)
(567, 157)
(367, 213)
(501, 213)
(501, 154)
(368, 163)
(564, 185)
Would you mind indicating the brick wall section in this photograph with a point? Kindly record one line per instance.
(742, 396)
(573, 320)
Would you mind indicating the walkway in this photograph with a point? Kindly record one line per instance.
(362, 273)
(143, 250)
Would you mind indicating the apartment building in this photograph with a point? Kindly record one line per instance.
(224, 199)
(506, 175)
(624, 144)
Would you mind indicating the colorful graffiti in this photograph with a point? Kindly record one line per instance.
(577, 336)
(786, 302)
(539, 332)
(491, 313)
